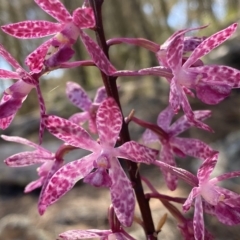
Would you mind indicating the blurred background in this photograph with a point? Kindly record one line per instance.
(155, 20)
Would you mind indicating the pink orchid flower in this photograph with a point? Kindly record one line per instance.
(77, 95)
(14, 96)
(109, 172)
(208, 197)
(211, 83)
(172, 145)
(51, 162)
(226, 203)
(58, 49)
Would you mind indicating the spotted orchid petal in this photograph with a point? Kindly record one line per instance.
(97, 54)
(206, 168)
(226, 214)
(121, 194)
(28, 158)
(80, 98)
(210, 43)
(136, 152)
(55, 9)
(193, 194)
(64, 180)
(10, 107)
(42, 113)
(230, 198)
(5, 122)
(70, 133)
(193, 147)
(190, 43)
(21, 159)
(34, 185)
(84, 18)
(100, 96)
(149, 137)
(78, 234)
(93, 233)
(92, 125)
(53, 167)
(8, 57)
(5, 74)
(189, 113)
(198, 221)
(174, 98)
(181, 173)
(32, 29)
(167, 157)
(79, 118)
(225, 74)
(109, 122)
(182, 124)
(35, 59)
(77, 95)
(226, 176)
(175, 52)
(165, 117)
(211, 91)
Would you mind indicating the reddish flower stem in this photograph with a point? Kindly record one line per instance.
(151, 46)
(112, 91)
(155, 194)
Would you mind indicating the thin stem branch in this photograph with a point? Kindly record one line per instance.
(112, 91)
